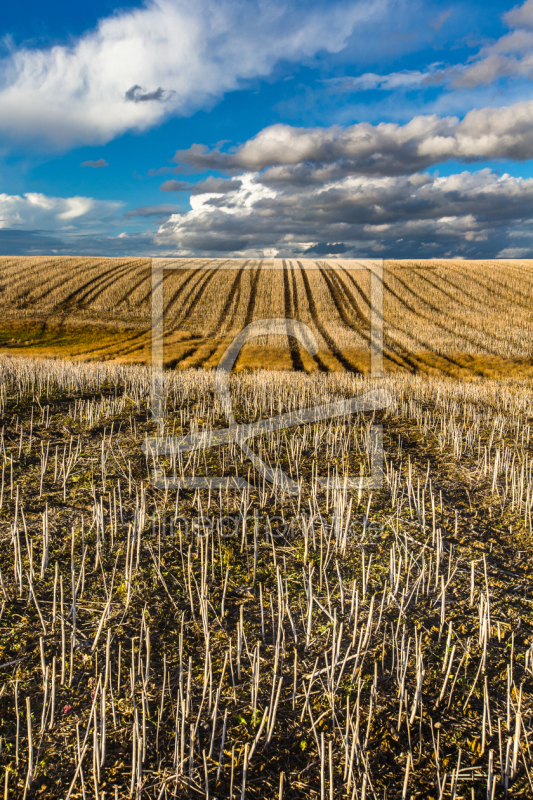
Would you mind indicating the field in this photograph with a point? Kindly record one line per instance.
(440, 317)
(315, 634)
(162, 642)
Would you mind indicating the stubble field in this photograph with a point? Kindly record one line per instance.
(248, 641)
(440, 317)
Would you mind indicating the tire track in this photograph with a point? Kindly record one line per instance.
(504, 292)
(78, 297)
(339, 303)
(71, 278)
(395, 352)
(460, 300)
(234, 294)
(290, 313)
(253, 297)
(338, 294)
(175, 362)
(129, 345)
(131, 289)
(448, 358)
(195, 273)
(203, 354)
(107, 280)
(196, 294)
(21, 278)
(322, 330)
(419, 313)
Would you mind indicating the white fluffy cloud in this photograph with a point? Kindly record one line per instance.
(467, 213)
(35, 211)
(169, 57)
(384, 149)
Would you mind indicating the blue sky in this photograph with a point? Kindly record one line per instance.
(394, 129)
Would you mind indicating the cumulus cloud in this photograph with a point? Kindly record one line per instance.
(469, 214)
(315, 154)
(474, 214)
(95, 164)
(169, 57)
(34, 210)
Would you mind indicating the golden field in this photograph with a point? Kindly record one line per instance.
(440, 317)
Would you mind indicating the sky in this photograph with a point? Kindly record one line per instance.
(267, 128)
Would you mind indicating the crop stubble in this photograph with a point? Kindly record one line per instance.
(453, 317)
(404, 616)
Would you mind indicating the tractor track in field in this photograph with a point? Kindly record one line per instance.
(427, 316)
(290, 313)
(433, 306)
(322, 330)
(107, 280)
(195, 296)
(21, 277)
(398, 355)
(342, 287)
(343, 308)
(503, 297)
(415, 360)
(195, 274)
(131, 289)
(253, 297)
(504, 292)
(234, 295)
(61, 281)
(78, 298)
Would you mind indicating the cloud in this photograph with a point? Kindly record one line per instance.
(34, 210)
(174, 186)
(137, 95)
(468, 214)
(151, 211)
(420, 215)
(520, 16)
(100, 163)
(408, 78)
(92, 90)
(215, 186)
(325, 249)
(510, 56)
(441, 19)
(516, 252)
(317, 154)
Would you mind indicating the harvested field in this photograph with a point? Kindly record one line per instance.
(440, 317)
(247, 642)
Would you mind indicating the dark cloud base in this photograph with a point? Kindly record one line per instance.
(35, 243)
(324, 249)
